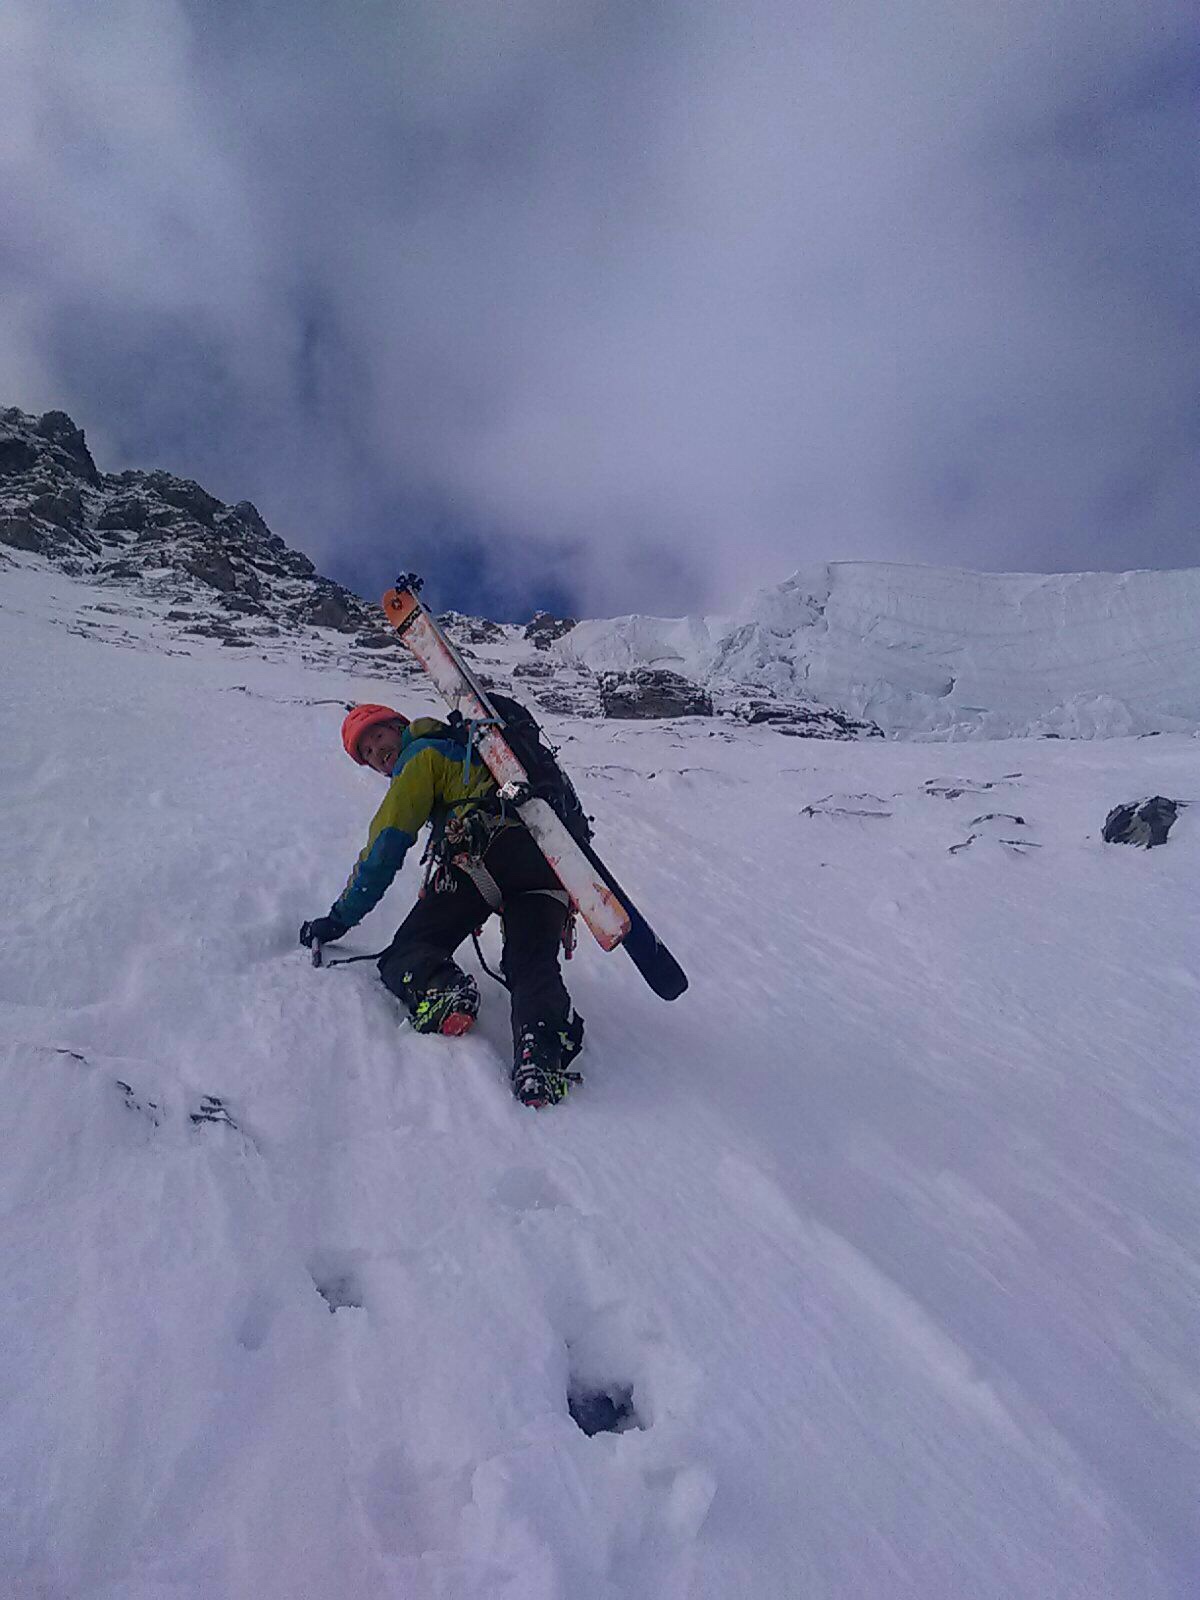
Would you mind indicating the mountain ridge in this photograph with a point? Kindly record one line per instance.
(836, 650)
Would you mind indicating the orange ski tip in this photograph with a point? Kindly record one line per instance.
(398, 605)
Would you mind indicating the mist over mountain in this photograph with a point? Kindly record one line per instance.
(840, 649)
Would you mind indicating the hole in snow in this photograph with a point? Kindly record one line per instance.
(339, 1292)
(336, 1279)
(603, 1410)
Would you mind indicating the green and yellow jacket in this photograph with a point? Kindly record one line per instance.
(427, 784)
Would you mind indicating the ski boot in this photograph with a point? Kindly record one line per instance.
(539, 1076)
(451, 1010)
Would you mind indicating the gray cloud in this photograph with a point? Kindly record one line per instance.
(635, 304)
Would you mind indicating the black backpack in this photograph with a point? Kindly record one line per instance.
(547, 779)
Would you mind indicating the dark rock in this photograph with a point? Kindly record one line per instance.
(1141, 822)
(652, 692)
(474, 630)
(564, 702)
(184, 495)
(214, 628)
(171, 538)
(544, 629)
(21, 534)
(296, 564)
(63, 507)
(127, 511)
(68, 444)
(245, 604)
(17, 455)
(247, 513)
(328, 608)
(533, 669)
(213, 567)
(803, 721)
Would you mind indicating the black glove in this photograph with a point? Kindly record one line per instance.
(321, 930)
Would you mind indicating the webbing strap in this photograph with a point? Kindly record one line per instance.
(490, 889)
(561, 895)
(482, 879)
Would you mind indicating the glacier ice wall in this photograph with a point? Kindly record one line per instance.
(928, 651)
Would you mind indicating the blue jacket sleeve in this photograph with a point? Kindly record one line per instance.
(373, 873)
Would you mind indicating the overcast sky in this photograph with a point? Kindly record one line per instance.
(621, 306)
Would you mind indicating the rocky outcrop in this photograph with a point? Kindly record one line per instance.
(544, 629)
(331, 606)
(471, 630)
(802, 721)
(209, 570)
(160, 533)
(45, 473)
(1145, 823)
(652, 692)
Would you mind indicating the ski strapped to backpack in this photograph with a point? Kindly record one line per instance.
(525, 737)
(532, 784)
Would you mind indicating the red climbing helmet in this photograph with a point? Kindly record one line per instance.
(359, 719)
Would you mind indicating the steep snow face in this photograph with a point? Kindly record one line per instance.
(944, 653)
(887, 1231)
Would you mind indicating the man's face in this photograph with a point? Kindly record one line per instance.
(380, 745)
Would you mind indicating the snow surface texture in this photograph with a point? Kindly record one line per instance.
(886, 1232)
(955, 655)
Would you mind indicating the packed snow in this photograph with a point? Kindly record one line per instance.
(884, 1237)
(947, 654)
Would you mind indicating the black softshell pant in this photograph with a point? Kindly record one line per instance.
(420, 957)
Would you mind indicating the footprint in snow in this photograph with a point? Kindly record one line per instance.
(256, 1320)
(528, 1189)
(337, 1278)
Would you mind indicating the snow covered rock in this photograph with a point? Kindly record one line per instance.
(652, 692)
(544, 629)
(802, 721)
(475, 630)
(156, 533)
(1141, 822)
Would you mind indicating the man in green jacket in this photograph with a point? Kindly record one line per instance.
(482, 861)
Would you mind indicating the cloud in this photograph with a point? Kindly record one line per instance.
(637, 305)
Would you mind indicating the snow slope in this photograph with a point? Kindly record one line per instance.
(942, 652)
(889, 1225)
